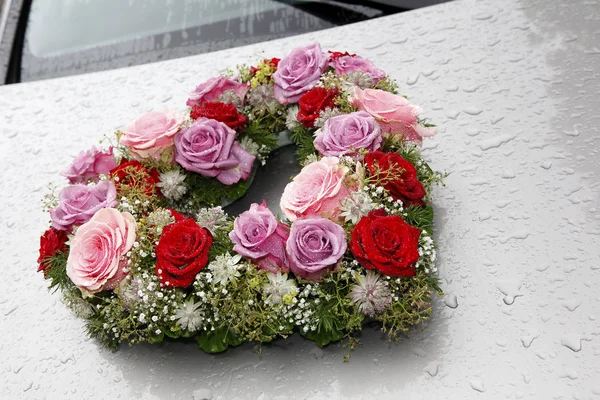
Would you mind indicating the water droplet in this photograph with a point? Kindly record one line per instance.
(528, 339)
(433, 368)
(547, 164)
(477, 384)
(510, 290)
(572, 341)
(202, 394)
(495, 142)
(411, 80)
(473, 110)
(571, 305)
(451, 300)
(508, 174)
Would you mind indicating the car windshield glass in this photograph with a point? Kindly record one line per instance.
(66, 37)
(58, 27)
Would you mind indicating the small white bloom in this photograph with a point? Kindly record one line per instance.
(325, 114)
(211, 218)
(291, 120)
(356, 206)
(189, 315)
(172, 184)
(370, 294)
(225, 268)
(247, 144)
(356, 78)
(278, 286)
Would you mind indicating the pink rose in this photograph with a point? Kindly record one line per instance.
(151, 134)
(258, 236)
(345, 65)
(394, 113)
(317, 190)
(96, 258)
(213, 88)
(89, 164)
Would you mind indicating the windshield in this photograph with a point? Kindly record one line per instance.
(67, 37)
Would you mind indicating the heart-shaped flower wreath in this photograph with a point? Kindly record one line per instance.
(142, 250)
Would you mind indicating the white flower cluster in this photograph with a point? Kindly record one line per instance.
(136, 208)
(427, 253)
(172, 184)
(296, 308)
(225, 268)
(380, 196)
(213, 218)
(356, 206)
(260, 152)
(291, 119)
(325, 115)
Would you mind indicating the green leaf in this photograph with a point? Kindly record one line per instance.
(218, 341)
(328, 331)
(419, 216)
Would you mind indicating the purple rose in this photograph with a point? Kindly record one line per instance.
(298, 73)
(89, 164)
(215, 87)
(347, 64)
(208, 148)
(258, 236)
(314, 247)
(346, 133)
(78, 203)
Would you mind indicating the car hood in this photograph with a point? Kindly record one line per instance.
(513, 89)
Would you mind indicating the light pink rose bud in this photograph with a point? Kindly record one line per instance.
(151, 134)
(318, 189)
(95, 258)
(393, 113)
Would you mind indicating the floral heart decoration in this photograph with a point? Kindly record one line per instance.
(141, 249)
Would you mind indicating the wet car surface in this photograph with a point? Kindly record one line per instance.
(512, 86)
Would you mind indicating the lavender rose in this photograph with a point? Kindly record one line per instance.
(298, 73)
(89, 164)
(347, 64)
(345, 134)
(314, 247)
(258, 236)
(213, 88)
(208, 148)
(78, 203)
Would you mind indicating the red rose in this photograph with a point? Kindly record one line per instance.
(182, 252)
(398, 175)
(386, 243)
(312, 103)
(134, 174)
(226, 113)
(51, 242)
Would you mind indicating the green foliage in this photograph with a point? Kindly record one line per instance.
(343, 104)
(412, 307)
(419, 216)
(387, 84)
(218, 341)
(209, 192)
(221, 242)
(263, 133)
(330, 329)
(56, 272)
(304, 143)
